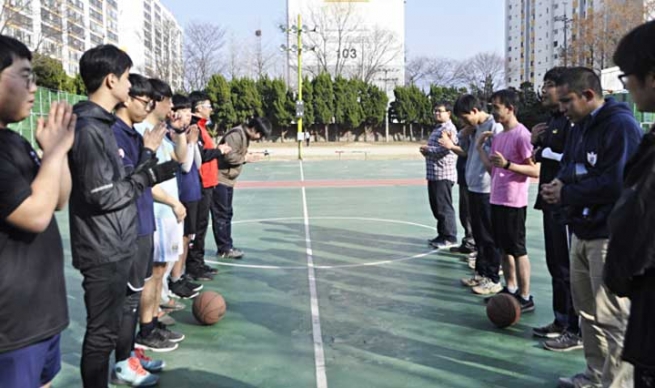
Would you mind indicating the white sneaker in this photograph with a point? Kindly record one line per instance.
(487, 287)
(472, 281)
(130, 372)
(471, 262)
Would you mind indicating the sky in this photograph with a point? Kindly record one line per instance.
(455, 29)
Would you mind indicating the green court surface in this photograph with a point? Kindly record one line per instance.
(387, 311)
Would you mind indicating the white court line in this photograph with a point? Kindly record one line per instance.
(337, 266)
(319, 356)
(332, 218)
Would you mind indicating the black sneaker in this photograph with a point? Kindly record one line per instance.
(462, 249)
(169, 334)
(181, 289)
(231, 254)
(433, 240)
(527, 306)
(186, 279)
(209, 269)
(199, 275)
(505, 291)
(156, 342)
(564, 343)
(551, 330)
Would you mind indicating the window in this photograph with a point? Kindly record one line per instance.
(96, 40)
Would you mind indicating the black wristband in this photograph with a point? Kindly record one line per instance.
(506, 167)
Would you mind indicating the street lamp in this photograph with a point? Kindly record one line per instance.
(298, 48)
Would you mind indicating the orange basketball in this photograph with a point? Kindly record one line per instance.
(208, 307)
(503, 310)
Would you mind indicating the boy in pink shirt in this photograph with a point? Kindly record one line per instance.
(511, 167)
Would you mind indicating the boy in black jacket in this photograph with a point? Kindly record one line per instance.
(605, 136)
(563, 334)
(103, 219)
(630, 265)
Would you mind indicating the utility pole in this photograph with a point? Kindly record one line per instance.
(566, 20)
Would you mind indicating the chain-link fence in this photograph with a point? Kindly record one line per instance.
(43, 98)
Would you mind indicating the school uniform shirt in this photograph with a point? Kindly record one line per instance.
(131, 152)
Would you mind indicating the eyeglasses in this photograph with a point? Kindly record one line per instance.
(440, 111)
(624, 79)
(29, 77)
(208, 106)
(149, 105)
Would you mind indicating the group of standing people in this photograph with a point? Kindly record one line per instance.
(596, 175)
(141, 175)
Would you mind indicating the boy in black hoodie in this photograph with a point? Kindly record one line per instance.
(563, 333)
(103, 218)
(588, 185)
(630, 265)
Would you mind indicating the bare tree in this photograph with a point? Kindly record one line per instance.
(11, 12)
(202, 50)
(595, 36)
(417, 69)
(380, 47)
(263, 58)
(443, 71)
(438, 71)
(481, 71)
(336, 25)
(238, 55)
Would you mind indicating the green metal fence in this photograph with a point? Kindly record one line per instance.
(44, 97)
(646, 119)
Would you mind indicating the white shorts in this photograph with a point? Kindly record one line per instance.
(168, 242)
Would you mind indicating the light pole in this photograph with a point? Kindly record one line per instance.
(298, 29)
(386, 91)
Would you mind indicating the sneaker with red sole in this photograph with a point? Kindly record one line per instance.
(130, 372)
(149, 364)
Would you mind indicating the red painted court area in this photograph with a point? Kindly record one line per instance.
(330, 183)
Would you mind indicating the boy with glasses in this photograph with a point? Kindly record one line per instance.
(34, 312)
(133, 150)
(441, 176)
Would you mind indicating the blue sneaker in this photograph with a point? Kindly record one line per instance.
(130, 372)
(152, 366)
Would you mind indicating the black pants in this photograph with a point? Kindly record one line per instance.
(222, 212)
(644, 378)
(196, 257)
(557, 259)
(487, 263)
(465, 217)
(441, 203)
(104, 293)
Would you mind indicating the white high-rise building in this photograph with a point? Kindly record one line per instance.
(356, 38)
(536, 31)
(64, 29)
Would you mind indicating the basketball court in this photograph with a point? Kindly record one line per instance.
(340, 289)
